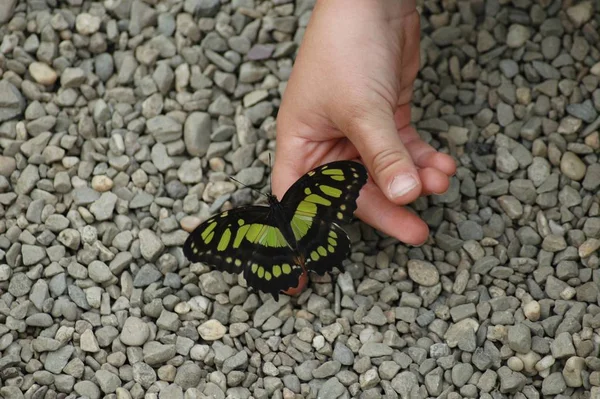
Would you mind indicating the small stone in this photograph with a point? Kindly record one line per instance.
(423, 273)
(88, 342)
(135, 332)
(151, 246)
(87, 24)
(212, 330)
(42, 73)
(517, 35)
(553, 384)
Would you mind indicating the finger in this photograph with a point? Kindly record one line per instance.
(287, 168)
(434, 181)
(425, 156)
(375, 137)
(377, 211)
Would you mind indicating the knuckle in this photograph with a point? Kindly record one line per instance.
(386, 160)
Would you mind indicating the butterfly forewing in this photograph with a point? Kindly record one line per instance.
(222, 241)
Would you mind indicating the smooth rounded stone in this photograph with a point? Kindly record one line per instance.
(43, 73)
(423, 273)
(517, 35)
(343, 354)
(196, 133)
(102, 183)
(572, 166)
(505, 114)
(580, 13)
(461, 374)
(135, 332)
(572, 372)
(212, 330)
(87, 389)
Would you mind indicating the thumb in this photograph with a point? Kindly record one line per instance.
(385, 156)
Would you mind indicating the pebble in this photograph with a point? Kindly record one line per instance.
(135, 332)
(120, 124)
(43, 73)
(212, 330)
(572, 166)
(423, 273)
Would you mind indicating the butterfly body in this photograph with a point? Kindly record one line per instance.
(276, 245)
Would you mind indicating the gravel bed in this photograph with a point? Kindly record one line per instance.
(120, 122)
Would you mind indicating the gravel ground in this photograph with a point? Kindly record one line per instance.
(120, 121)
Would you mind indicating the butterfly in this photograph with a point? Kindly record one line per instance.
(275, 246)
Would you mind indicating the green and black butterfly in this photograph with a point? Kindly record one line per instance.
(276, 246)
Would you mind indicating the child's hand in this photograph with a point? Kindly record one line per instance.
(349, 98)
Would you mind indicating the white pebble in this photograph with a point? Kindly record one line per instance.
(212, 330)
(318, 342)
(102, 183)
(182, 308)
(87, 24)
(42, 73)
(514, 363)
(532, 310)
(572, 371)
(568, 293)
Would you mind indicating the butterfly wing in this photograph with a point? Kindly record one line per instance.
(328, 192)
(245, 240)
(316, 205)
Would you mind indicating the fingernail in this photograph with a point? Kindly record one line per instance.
(402, 184)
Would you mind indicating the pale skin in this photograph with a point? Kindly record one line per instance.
(348, 97)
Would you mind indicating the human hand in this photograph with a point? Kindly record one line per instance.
(348, 97)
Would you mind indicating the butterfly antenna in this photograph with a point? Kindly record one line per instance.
(251, 188)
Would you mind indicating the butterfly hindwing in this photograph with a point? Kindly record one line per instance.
(316, 205)
(326, 246)
(272, 271)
